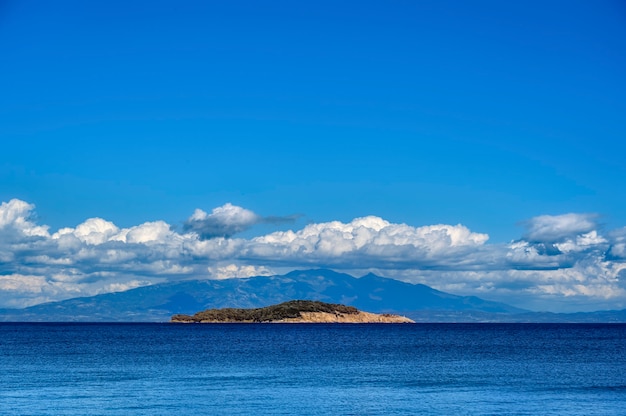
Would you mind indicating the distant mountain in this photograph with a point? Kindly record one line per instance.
(369, 293)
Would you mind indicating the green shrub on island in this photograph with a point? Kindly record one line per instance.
(286, 310)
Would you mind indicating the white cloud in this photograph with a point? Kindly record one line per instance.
(368, 239)
(93, 231)
(561, 257)
(581, 242)
(223, 221)
(96, 231)
(238, 271)
(522, 255)
(21, 283)
(228, 220)
(146, 233)
(590, 284)
(19, 290)
(122, 287)
(554, 228)
(618, 243)
(15, 214)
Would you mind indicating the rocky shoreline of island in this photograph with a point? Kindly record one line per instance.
(295, 311)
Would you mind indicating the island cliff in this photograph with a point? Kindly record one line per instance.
(295, 311)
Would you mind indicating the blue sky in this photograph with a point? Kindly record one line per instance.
(496, 116)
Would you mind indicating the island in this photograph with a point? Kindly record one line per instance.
(295, 311)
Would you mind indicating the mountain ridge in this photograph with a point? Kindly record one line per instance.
(157, 303)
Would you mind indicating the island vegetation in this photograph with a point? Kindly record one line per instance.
(292, 311)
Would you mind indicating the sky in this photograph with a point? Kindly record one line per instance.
(477, 147)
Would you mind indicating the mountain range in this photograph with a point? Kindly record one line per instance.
(372, 293)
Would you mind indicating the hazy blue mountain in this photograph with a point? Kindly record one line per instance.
(158, 302)
(369, 293)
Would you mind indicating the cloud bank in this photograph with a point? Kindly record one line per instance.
(562, 262)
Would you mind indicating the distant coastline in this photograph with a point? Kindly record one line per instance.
(295, 311)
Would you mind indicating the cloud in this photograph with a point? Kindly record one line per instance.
(555, 228)
(93, 231)
(618, 243)
(586, 286)
(15, 215)
(223, 221)
(238, 271)
(18, 290)
(96, 231)
(369, 240)
(563, 258)
(228, 220)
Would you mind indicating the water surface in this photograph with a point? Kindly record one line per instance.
(314, 369)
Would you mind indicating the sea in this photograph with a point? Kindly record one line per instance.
(312, 369)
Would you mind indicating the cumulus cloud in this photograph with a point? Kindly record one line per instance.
(15, 215)
(96, 231)
(367, 240)
(560, 258)
(555, 228)
(93, 231)
(228, 220)
(223, 221)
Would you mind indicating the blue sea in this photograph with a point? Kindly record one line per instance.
(314, 369)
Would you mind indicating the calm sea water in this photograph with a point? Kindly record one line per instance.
(273, 369)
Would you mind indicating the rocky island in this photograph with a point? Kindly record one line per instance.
(295, 311)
